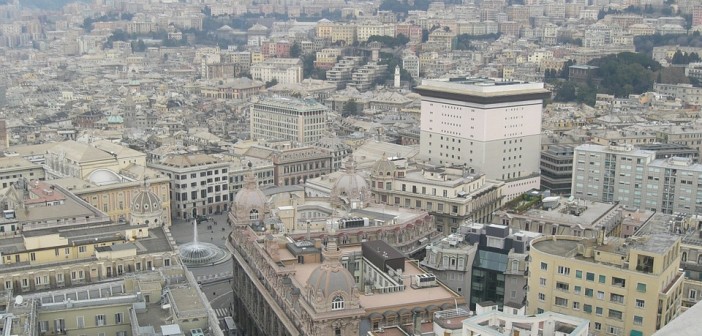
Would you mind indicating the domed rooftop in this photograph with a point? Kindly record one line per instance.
(383, 167)
(104, 177)
(331, 277)
(145, 201)
(248, 199)
(351, 183)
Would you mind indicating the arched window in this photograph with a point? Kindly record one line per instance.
(338, 303)
(684, 257)
(253, 215)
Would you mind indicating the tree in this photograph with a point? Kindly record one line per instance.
(207, 11)
(295, 50)
(138, 46)
(271, 83)
(350, 108)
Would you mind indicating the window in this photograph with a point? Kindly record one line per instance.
(82, 249)
(590, 276)
(542, 297)
(616, 298)
(542, 282)
(598, 311)
(600, 295)
(544, 266)
(44, 326)
(100, 320)
(618, 282)
(640, 303)
(576, 305)
(638, 320)
(589, 292)
(641, 287)
(587, 308)
(562, 286)
(598, 326)
(59, 325)
(603, 279)
(561, 302)
(693, 294)
(614, 330)
(338, 303)
(615, 314)
(119, 317)
(33, 256)
(80, 322)
(562, 270)
(577, 289)
(579, 274)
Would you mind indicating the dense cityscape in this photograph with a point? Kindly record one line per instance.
(342, 168)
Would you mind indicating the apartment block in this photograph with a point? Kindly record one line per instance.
(610, 173)
(623, 286)
(633, 177)
(674, 185)
(488, 126)
(302, 121)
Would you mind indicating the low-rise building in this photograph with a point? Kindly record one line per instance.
(282, 70)
(451, 194)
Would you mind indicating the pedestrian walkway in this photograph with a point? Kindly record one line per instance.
(222, 312)
(215, 276)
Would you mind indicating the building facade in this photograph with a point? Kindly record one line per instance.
(452, 195)
(487, 126)
(302, 121)
(199, 184)
(624, 287)
(557, 169)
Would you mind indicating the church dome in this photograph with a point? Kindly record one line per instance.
(145, 201)
(351, 183)
(383, 167)
(249, 203)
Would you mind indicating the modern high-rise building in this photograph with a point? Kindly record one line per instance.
(300, 120)
(627, 286)
(484, 125)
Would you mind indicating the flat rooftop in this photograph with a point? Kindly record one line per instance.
(568, 246)
(388, 301)
(482, 90)
(588, 217)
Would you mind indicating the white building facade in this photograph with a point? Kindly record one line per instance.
(487, 126)
(301, 120)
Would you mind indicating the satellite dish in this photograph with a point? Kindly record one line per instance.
(19, 299)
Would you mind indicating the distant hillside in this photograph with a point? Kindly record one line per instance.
(47, 4)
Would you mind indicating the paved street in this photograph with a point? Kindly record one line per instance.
(214, 279)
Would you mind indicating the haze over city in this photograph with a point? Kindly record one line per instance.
(350, 168)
